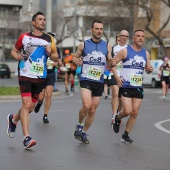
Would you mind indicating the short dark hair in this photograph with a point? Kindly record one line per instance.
(96, 21)
(35, 15)
(138, 30)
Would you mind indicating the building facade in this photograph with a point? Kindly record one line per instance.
(9, 25)
(71, 21)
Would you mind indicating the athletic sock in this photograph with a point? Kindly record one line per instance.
(13, 121)
(126, 133)
(81, 124)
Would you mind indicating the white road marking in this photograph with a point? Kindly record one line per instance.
(158, 125)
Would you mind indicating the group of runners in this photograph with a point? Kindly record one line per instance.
(124, 62)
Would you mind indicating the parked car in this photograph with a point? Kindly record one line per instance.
(152, 79)
(5, 71)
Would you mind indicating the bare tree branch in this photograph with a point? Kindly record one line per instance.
(62, 36)
(164, 25)
(157, 35)
(166, 2)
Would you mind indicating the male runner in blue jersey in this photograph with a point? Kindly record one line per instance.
(135, 59)
(92, 55)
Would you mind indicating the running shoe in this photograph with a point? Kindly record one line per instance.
(29, 142)
(113, 120)
(45, 119)
(126, 138)
(84, 138)
(116, 124)
(11, 126)
(37, 108)
(164, 98)
(78, 132)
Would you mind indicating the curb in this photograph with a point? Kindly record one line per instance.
(18, 97)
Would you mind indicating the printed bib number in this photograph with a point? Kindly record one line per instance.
(49, 64)
(94, 73)
(136, 80)
(68, 65)
(165, 73)
(119, 66)
(37, 69)
(110, 76)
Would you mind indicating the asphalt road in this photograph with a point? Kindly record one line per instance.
(57, 148)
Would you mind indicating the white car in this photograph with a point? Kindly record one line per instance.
(152, 79)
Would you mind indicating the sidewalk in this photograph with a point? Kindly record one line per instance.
(18, 97)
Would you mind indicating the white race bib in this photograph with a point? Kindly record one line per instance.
(37, 68)
(94, 73)
(136, 80)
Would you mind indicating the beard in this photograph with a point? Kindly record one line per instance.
(97, 37)
(39, 29)
(139, 44)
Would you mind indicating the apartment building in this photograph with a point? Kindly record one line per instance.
(9, 26)
(116, 15)
(160, 14)
(81, 14)
(73, 18)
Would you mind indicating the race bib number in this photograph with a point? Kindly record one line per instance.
(136, 80)
(94, 73)
(68, 65)
(119, 66)
(49, 64)
(110, 76)
(37, 68)
(165, 73)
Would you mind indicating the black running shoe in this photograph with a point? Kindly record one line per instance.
(45, 119)
(78, 132)
(37, 108)
(11, 126)
(116, 124)
(29, 142)
(84, 138)
(126, 138)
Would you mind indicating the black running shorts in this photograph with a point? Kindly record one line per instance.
(132, 92)
(31, 87)
(113, 80)
(95, 87)
(50, 80)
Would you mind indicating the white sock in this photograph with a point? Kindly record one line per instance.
(81, 124)
(13, 121)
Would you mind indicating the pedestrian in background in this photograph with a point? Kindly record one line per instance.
(122, 41)
(164, 71)
(50, 80)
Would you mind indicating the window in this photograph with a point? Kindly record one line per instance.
(3, 12)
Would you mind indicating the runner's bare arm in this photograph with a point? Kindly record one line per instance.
(16, 55)
(148, 67)
(121, 55)
(110, 60)
(77, 56)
